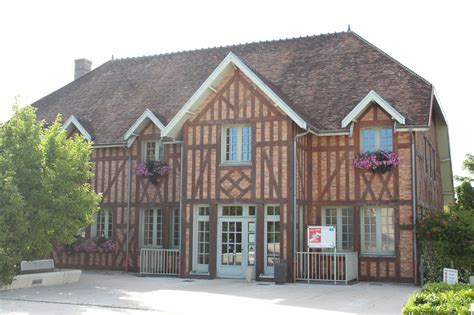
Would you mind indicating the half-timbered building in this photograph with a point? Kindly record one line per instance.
(259, 142)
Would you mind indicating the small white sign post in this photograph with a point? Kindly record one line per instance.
(322, 237)
(450, 276)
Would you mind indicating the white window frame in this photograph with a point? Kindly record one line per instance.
(339, 230)
(239, 159)
(108, 215)
(200, 268)
(154, 227)
(378, 232)
(175, 227)
(377, 137)
(159, 150)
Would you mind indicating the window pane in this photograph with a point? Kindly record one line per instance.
(387, 230)
(378, 230)
(161, 151)
(176, 236)
(246, 143)
(110, 224)
(346, 228)
(231, 144)
(150, 151)
(159, 227)
(232, 211)
(100, 224)
(369, 220)
(148, 221)
(368, 140)
(386, 141)
(203, 243)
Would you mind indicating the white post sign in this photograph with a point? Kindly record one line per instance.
(450, 276)
(321, 237)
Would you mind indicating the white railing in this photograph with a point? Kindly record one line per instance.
(157, 261)
(325, 266)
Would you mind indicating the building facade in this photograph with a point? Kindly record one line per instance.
(260, 141)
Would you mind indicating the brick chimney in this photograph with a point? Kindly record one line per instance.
(82, 66)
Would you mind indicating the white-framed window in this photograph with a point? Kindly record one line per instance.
(175, 222)
(374, 139)
(153, 150)
(342, 218)
(151, 227)
(236, 144)
(201, 238)
(272, 236)
(377, 232)
(103, 223)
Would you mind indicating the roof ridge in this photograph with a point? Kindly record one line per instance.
(390, 57)
(230, 46)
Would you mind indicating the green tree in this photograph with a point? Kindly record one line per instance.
(465, 196)
(468, 163)
(45, 191)
(465, 191)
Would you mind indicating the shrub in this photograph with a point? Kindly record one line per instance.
(446, 242)
(441, 298)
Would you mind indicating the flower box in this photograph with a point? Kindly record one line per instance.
(377, 162)
(152, 169)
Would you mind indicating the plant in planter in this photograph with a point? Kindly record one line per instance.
(377, 162)
(152, 169)
(98, 245)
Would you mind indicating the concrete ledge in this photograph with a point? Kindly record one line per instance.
(43, 279)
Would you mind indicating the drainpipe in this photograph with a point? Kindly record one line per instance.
(413, 191)
(295, 192)
(129, 194)
(181, 162)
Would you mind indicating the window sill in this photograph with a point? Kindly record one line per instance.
(375, 255)
(232, 164)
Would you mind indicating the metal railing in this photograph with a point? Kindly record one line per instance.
(157, 261)
(325, 266)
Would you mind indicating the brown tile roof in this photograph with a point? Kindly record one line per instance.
(322, 77)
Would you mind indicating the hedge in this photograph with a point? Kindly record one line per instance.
(441, 298)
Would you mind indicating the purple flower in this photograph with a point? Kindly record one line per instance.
(141, 170)
(381, 161)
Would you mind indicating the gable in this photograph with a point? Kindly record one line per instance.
(226, 67)
(236, 100)
(72, 124)
(366, 102)
(139, 125)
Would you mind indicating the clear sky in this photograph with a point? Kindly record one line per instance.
(40, 40)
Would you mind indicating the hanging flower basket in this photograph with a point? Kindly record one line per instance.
(377, 162)
(152, 169)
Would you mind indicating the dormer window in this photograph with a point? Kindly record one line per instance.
(153, 150)
(375, 139)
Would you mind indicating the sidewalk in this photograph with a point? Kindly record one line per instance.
(119, 293)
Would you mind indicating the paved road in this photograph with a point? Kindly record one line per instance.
(119, 293)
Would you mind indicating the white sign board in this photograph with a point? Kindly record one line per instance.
(321, 237)
(450, 276)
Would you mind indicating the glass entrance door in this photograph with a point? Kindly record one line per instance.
(236, 240)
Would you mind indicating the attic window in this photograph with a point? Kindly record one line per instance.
(375, 139)
(153, 150)
(237, 144)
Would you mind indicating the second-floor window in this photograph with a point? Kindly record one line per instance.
(153, 150)
(237, 144)
(374, 139)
